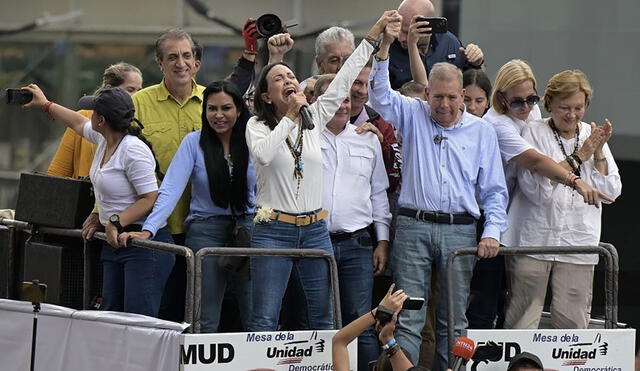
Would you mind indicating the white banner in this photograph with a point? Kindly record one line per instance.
(68, 339)
(261, 351)
(575, 350)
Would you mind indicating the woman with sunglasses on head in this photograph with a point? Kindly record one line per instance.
(544, 213)
(289, 166)
(125, 186)
(216, 162)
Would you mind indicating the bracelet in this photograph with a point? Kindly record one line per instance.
(380, 59)
(46, 108)
(374, 42)
(599, 159)
(572, 163)
(249, 52)
(576, 158)
(573, 182)
(393, 350)
(570, 179)
(389, 344)
(373, 315)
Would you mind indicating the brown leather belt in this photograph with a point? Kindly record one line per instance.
(299, 220)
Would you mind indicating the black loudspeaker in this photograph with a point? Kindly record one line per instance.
(54, 201)
(60, 265)
(6, 250)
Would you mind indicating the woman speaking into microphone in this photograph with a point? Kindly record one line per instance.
(289, 167)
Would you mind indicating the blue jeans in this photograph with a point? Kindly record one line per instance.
(418, 245)
(215, 232)
(355, 272)
(269, 275)
(133, 278)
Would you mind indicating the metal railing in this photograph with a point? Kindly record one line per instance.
(171, 248)
(193, 294)
(605, 250)
(244, 251)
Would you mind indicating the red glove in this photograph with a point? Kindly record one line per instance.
(250, 36)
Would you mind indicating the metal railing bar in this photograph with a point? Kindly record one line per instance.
(249, 252)
(171, 248)
(535, 250)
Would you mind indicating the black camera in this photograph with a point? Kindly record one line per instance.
(269, 25)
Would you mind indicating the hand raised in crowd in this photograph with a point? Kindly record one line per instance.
(488, 248)
(393, 300)
(474, 54)
(90, 226)
(386, 332)
(123, 238)
(392, 31)
(380, 257)
(367, 126)
(417, 30)
(387, 17)
(250, 36)
(279, 45)
(39, 99)
(296, 101)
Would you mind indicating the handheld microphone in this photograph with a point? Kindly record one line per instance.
(462, 352)
(307, 122)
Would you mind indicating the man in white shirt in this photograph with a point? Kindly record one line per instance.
(354, 192)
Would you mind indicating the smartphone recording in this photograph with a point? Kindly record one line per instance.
(413, 304)
(34, 292)
(436, 24)
(18, 96)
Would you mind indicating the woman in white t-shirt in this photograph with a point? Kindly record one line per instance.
(125, 187)
(289, 169)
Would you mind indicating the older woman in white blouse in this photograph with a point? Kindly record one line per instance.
(544, 213)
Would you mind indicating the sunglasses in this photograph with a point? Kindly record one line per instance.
(517, 103)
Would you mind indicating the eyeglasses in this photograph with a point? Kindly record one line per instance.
(518, 103)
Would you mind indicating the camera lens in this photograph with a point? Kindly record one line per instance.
(269, 25)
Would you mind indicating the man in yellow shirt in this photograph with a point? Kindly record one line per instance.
(172, 109)
(169, 111)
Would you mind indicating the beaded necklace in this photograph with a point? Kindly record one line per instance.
(575, 147)
(296, 151)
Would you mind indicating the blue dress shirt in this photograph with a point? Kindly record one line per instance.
(188, 165)
(444, 176)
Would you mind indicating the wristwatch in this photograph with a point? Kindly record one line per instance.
(115, 220)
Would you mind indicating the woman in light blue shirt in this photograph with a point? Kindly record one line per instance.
(216, 162)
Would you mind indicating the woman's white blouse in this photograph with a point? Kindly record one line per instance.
(542, 214)
(276, 183)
